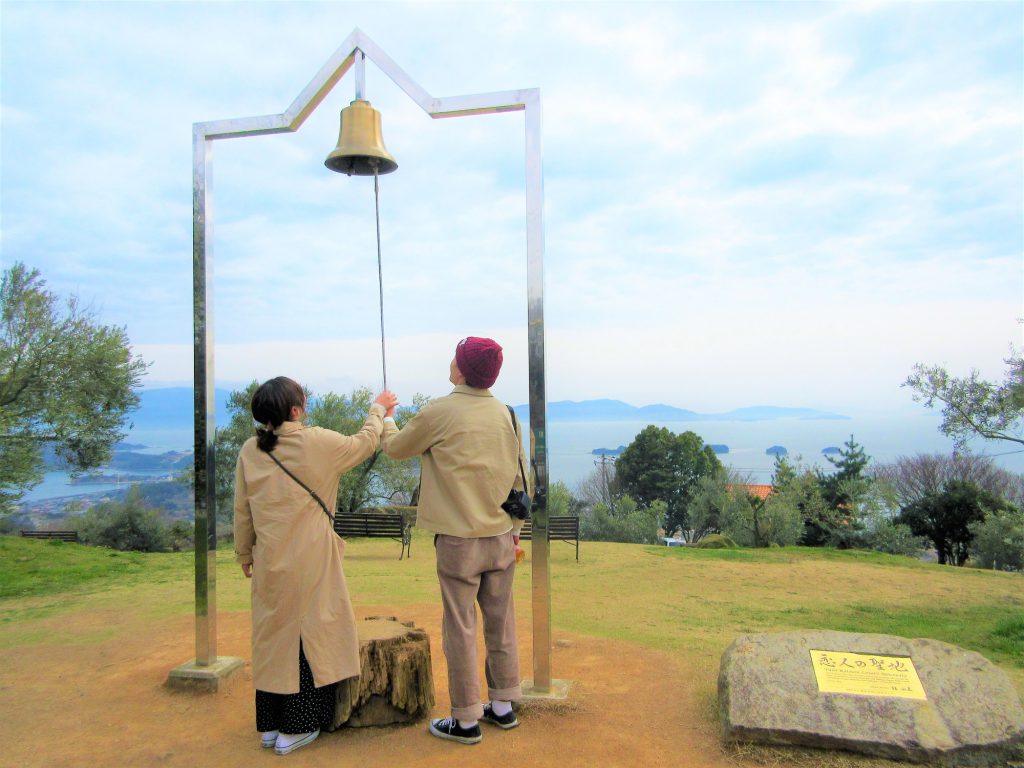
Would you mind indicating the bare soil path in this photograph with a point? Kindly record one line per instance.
(103, 703)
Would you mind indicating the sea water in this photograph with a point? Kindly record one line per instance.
(570, 445)
(156, 441)
(883, 438)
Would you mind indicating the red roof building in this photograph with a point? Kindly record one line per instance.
(757, 491)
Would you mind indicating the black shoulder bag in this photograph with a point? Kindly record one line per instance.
(518, 503)
(309, 490)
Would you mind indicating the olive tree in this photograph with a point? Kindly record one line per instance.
(67, 383)
(378, 480)
(755, 522)
(998, 541)
(972, 405)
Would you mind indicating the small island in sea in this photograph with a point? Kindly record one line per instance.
(830, 451)
(776, 450)
(608, 451)
(718, 448)
(617, 410)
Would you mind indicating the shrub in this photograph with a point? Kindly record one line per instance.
(755, 522)
(710, 498)
(182, 535)
(627, 523)
(126, 525)
(716, 541)
(894, 539)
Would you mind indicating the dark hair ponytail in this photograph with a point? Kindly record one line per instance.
(271, 406)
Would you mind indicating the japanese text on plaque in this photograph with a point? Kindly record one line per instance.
(866, 674)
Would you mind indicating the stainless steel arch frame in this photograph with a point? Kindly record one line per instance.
(356, 46)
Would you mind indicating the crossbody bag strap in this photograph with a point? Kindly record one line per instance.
(308, 489)
(519, 454)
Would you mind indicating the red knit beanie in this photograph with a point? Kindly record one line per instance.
(479, 360)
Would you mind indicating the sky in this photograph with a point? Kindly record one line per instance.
(744, 203)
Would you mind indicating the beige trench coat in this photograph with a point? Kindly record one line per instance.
(298, 586)
(470, 455)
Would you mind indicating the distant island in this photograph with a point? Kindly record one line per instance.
(719, 449)
(830, 451)
(776, 450)
(173, 408)
(616, 410)
(126, 461)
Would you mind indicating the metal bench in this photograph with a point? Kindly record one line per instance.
(560, 528)
(71, 536)
(375, 525)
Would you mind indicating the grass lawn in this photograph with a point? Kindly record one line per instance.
(667, 613)
(673, 599)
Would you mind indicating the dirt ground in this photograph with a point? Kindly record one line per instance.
(104, 704)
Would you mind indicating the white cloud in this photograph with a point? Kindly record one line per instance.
(416, 364)
(791, 199)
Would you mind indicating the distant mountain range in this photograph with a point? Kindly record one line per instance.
(616, 410)
(172, 408)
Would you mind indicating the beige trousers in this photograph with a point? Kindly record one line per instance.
(478, 571)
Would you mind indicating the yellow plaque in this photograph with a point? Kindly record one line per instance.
(866, 674)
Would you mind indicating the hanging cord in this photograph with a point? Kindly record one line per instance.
(380, 275)
(383, 358)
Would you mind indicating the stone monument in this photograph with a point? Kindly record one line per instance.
(917, 700)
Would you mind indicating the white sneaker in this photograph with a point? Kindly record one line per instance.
(267, 739)
(289, 742)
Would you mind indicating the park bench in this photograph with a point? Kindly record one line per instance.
(71, 536)
(375, 525)
(560, 528)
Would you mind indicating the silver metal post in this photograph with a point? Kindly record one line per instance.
(538, 397)
(205, 498)
(207, 669)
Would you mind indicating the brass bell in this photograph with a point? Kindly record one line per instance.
(360, 149)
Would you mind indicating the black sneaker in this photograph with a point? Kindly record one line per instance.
(502, 721)
(449, 728)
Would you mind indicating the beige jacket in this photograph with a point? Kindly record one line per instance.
(468, 463)
(298, 586)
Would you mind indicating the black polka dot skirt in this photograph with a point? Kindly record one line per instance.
(308, 710)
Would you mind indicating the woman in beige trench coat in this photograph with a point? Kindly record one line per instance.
(303, 628)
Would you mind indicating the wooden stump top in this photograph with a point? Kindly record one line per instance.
(395, 684)
(383, 628)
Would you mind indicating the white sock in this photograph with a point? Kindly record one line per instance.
(467, 723)
(287, 739)
(501, 708)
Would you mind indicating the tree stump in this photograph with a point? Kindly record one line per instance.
(395, 684)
